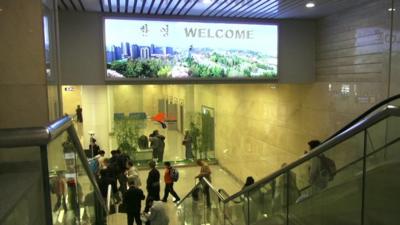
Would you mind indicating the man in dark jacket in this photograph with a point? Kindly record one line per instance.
(153, 182)
(113, 160)
(155, 144)
(79, 116)
(122, 162)
(161, 148)
(108, 177)
(93, 147)
(132, 201)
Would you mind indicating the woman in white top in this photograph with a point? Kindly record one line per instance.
(133, 174)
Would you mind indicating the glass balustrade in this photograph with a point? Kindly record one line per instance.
(21, 185)
(350, 179)
(46, 178)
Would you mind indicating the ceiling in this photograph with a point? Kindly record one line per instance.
(254, 9)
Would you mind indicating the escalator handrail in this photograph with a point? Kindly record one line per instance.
(344, 135)
(223, 192)
(203, 181)
(212, 188)
(366, 113)
(85, 164)
(188, 194)
(33, 136)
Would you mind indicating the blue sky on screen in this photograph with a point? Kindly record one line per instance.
(265, 37)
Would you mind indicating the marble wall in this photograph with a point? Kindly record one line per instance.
(97, 115)
(72, 96)
(23, 94)
(353, 59)
(259, 127)
(395, 57)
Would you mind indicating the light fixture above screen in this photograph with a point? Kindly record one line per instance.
(310, 5)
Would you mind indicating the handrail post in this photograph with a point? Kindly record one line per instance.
(364, 175)
(287, 196)
(46, 185)
(247, 195)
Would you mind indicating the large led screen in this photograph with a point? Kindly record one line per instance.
(156, 50)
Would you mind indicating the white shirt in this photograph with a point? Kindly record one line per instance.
(133, 174)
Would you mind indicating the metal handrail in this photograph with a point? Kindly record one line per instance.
(33, 136)
(206, 182)
(57, 127)
(223, 192)
(85, 164)
(351, 131)
(369, 111)
(188, 194)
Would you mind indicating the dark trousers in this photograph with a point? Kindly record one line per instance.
(60, 200)
(154, 193)
(188, 153)
(155, 153)
(160, 155)
(122, 182)
(169, 188)
(134, 217)
(207, 193)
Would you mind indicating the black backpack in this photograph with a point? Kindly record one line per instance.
(174, 174)
(328, 165)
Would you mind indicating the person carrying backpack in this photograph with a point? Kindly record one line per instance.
(321, 170)
(170, 172)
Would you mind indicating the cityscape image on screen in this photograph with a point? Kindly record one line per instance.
(145, 49)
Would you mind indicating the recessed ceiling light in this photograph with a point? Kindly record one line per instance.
(391, 9)
(310, 5)
(1, 10)
(207, 1)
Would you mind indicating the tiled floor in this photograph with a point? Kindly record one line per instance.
(186, 182)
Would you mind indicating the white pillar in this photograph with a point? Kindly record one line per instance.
(95, 105)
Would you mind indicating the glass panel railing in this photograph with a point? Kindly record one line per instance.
(348, 180)
(87, 196)
(324, 197)
(202, 205)
(73, 196)
(234, 210)
(46, 166)
(21, 185)
(192, 207)
(61, 154)
(267, 203)
(214, 206)
(382, 188)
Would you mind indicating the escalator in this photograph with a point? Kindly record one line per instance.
(364, 188)
(46, 178)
